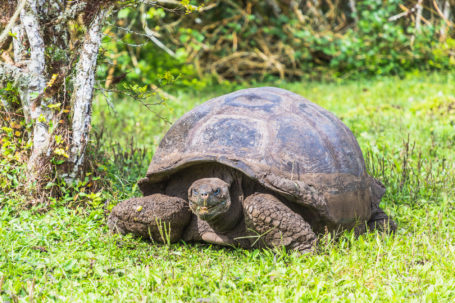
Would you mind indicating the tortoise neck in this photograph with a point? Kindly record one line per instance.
(228, 220)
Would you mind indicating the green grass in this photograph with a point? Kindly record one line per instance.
(66, 254)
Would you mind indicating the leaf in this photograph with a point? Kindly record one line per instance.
(7, 129)
(58, 139)
(42, 119)
(123, 13)
(52, 80)
(61, 152)
(54, 106)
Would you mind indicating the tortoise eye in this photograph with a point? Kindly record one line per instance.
(195, 192)
(217, 191)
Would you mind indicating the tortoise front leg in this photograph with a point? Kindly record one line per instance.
(157, 217)
(380, 221)
(276, 224)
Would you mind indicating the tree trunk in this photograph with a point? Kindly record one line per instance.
(446, 20)
(35, 106)
(82, 94)
(55, 47)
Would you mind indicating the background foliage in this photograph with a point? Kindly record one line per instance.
(252, 39)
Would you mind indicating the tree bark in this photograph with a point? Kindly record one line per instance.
(354, 11)
(83, 93)
(55, 49)
(446, 19)
(418, 15)
(34, 106)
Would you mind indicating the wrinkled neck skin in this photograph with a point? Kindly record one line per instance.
(228, 220)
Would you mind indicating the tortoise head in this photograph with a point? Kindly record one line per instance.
(209, 197)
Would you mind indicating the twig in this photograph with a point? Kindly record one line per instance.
(11, 22)
(295, 8)
(354, 11)
(140, 99)
(134, 96)
(403, 14)
(107, 99)
(153, 36)
(14, 114)
(131, 31)
(5, 106)
(444, 15)
(128, 44)
(418, 15)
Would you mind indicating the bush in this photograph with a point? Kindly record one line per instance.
(238, 40)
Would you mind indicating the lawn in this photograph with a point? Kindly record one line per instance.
(406, 129)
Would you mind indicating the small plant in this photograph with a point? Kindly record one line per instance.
(164, 230)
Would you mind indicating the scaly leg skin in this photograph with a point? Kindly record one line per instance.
(200, 231)
(276, 224)
(157, 217)
(380, 221)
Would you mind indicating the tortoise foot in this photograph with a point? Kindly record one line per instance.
(156, 217)
(381, 222)
(276, 225)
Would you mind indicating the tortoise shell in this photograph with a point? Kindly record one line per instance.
(277, 138)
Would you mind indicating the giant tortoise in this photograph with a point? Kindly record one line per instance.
(259, 167)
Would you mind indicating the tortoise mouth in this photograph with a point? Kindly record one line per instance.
(208, 212)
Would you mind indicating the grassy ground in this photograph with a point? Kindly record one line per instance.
(406, 128)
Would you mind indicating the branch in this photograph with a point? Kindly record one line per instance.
(444, 15)
(37, 62)
(32, 28)
(20, 51)
(70, 13)
(275, 7)
(11, 73)
(403, 14)
(354, 11)
(11, 23)
(152, 36)
(6, 106)
(418, 15)
(148, 106)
